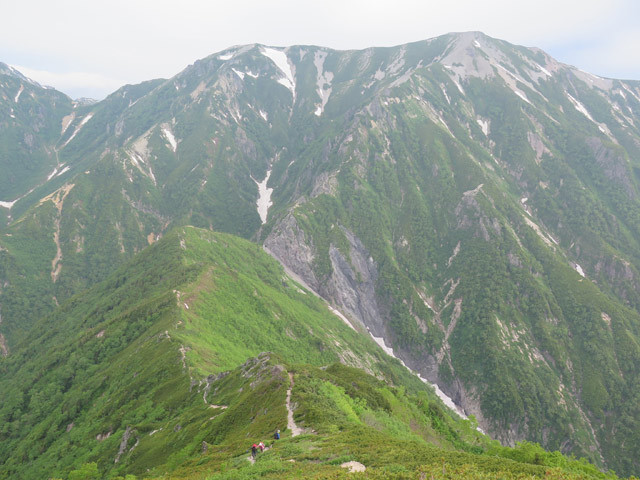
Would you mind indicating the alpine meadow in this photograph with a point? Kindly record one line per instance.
(414, 262)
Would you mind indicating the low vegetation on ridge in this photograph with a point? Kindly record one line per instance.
(137, 384)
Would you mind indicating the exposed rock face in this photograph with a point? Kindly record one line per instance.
(289, 245)
(352, 285)
(613, 164)
(123, 444)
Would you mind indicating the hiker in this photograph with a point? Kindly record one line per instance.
(261, 447)
(254, 450)
(277, 435)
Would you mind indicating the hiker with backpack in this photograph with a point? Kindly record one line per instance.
(276, 435)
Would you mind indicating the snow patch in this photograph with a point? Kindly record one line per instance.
(484, 125)
(323, 81)
(227, 56)
(75, 132)
(580, 107)
(508, 72)
(285, 82)
(264, 197)
(52, 174)
(380, 342)
(444, 91)
(630, 91)
(279, 58)
(263, 114)
(344, 319)
(7, 205)
(459, 86)
(443, 396)
(477, 44)
(64, 170)
(240, 74)
(578, 269)
(170, 138)
(522, 96)
(543, 70)
(18, 94)
(546, 239)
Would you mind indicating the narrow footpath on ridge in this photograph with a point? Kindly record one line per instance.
(291, 425)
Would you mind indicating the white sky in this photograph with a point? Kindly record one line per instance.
(92, 47)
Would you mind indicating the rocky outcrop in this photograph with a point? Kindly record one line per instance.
(352, 285)
(288, 244)
(613, 164)
(128, 434)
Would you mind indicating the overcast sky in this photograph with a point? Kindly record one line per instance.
(92, 47)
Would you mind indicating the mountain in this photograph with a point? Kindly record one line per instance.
(31, 117)
(471, 202)
(136, 366)
(147, 374)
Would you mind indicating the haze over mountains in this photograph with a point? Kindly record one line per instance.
(474, 204)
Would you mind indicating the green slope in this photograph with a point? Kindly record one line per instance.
(31, 122)
(128, 358)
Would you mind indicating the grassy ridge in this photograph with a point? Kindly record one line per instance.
(128, 358)
(353, 417)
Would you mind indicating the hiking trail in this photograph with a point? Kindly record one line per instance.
(291, 425)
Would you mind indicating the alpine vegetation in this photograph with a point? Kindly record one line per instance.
(316, 242)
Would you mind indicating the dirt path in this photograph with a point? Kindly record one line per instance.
(251, 458)
(291, 425)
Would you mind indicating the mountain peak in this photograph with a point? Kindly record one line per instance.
(6, 69)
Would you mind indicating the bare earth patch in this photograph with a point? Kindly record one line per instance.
(354, 466)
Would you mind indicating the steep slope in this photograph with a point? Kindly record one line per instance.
(451, 225)
(472, 202)
(125, 374)
(142, 375)
(32, 120)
